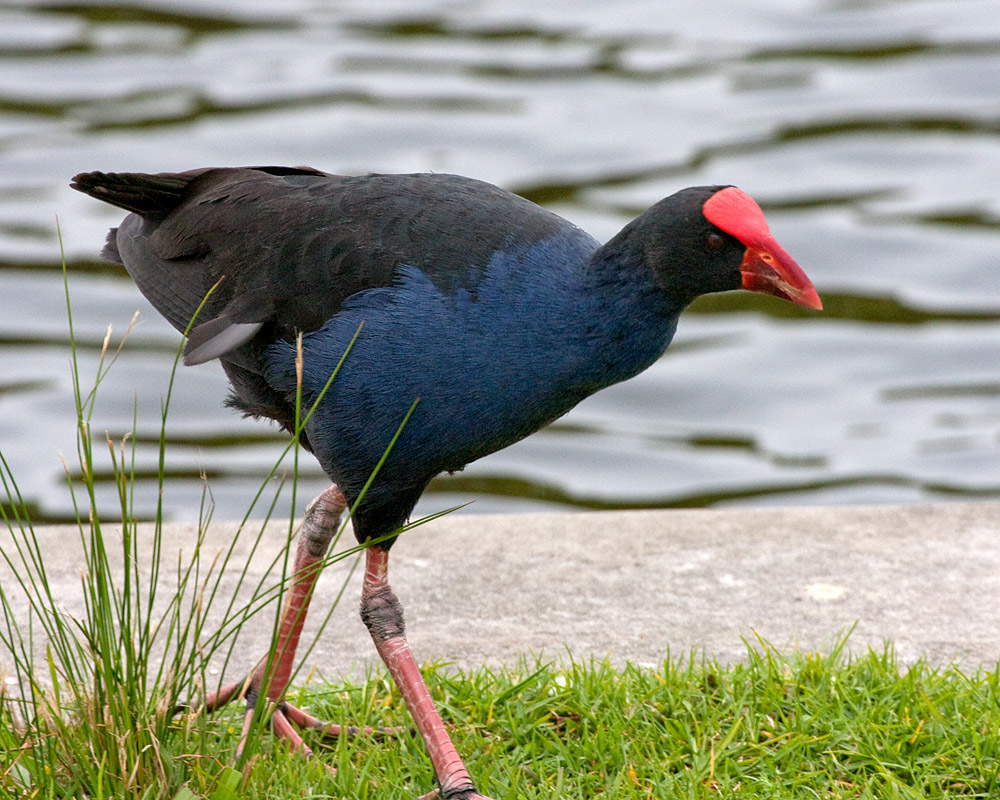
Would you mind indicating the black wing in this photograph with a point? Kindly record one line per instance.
(288, 245)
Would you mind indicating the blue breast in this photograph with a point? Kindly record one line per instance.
(487, 364)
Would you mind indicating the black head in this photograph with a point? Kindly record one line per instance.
(713, 239)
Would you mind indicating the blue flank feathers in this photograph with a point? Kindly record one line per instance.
(489, 365)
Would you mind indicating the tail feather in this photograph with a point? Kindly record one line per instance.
(151, 196)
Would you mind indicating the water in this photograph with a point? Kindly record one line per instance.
(868, 129)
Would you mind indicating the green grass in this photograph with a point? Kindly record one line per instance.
(88, 714)
(807, 726)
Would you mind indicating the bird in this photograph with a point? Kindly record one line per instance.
(456, 318)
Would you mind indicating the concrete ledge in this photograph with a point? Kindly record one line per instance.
(644, 585)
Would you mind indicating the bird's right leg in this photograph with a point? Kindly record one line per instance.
(321, 522)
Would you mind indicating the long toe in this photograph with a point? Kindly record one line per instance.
(281, 727)
(226, 694)
(333, 730)
(285, 730)
(286, 720)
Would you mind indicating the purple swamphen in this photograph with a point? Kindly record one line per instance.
(496, 315)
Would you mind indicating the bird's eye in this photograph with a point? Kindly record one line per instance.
(714, 241)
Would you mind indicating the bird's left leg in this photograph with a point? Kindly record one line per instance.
(383, 616)
(321, 522)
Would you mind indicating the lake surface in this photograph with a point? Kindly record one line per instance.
(869, 130)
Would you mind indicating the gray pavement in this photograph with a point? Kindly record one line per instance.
(645, 585)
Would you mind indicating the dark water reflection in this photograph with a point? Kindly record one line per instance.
(869, 130)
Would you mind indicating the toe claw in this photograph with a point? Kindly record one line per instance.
(179, 708)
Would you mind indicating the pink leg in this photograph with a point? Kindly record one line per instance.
(383, 616)
(318, 528)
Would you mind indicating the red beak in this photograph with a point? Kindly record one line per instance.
(766, 267)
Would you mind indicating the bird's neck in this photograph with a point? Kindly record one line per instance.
(630, 319)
